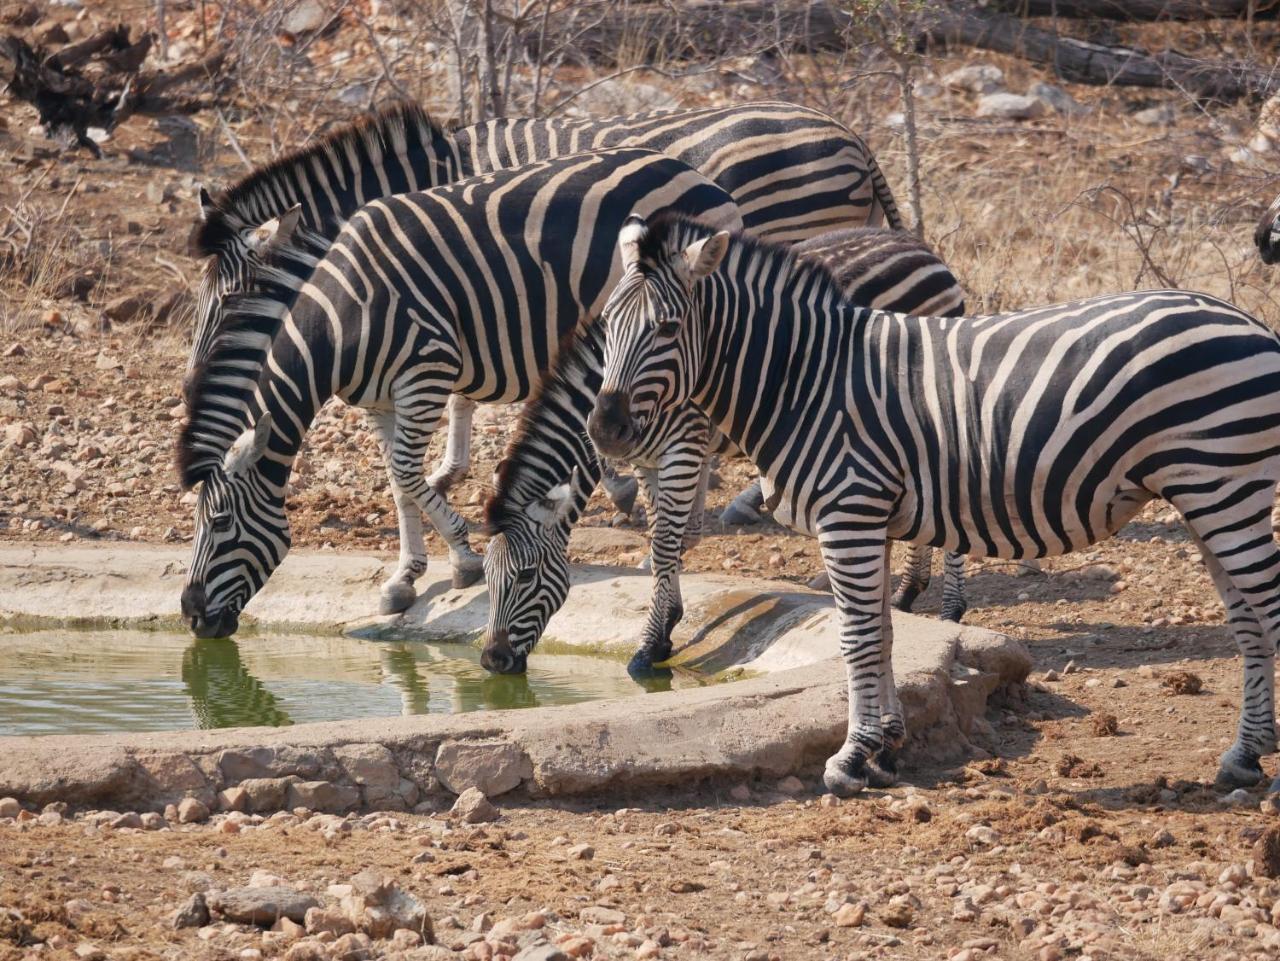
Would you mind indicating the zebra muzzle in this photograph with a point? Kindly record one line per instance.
(204, 625)
(498, 657)
(610, 426)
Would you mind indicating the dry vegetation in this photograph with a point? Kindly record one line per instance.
(94, 321)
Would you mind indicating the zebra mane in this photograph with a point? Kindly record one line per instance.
(233, 207)
(220, 389)
(519, 478)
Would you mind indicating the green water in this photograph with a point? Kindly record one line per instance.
(78, 682)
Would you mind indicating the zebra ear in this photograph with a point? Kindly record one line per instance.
(248, 447)
(206, 203)
(703, 256)
(633, 231)
(553, 507)
(276, 232)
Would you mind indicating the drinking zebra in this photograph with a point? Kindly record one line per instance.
(1033, 433)
(794, 171)
(467, 288)
(535, 505)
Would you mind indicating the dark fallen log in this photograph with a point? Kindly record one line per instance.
(1141, 11)
(1080, 61)
(98, 82)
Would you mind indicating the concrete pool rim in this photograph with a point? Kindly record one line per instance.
(771, 725)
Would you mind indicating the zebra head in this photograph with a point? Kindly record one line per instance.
(526, 568)
(242, 535)
(238, 248)
(649, 360)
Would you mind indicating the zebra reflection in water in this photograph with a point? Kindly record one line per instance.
(223, 693)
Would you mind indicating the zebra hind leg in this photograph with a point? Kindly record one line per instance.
(621, 490)
(457, 451)
(746, 508)
(398, 592)
(882, 768)
(915, 576)
(1240, 554)
(954, 602)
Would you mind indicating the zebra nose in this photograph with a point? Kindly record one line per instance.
(194, 601)
(609, 425)
(498, 656)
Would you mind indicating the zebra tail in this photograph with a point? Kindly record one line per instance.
(883, 195)
(1265, 236)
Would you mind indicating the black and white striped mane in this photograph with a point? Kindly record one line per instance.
(518, 480)
(221, 387)
(376, 135)
(669, 233)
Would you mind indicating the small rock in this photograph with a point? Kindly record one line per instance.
(1266, 853)
(1182, 682)
(123, 309)
(352, 947)
(984, 835)
(740, 793)
(472, 807)
(130, 819)
(194, 913)
(791, 785)
(1050, 676)
(1163, 839)
(1238, 798)
(581, 852)
(192, 811)
(898, 914)
(648, 949)
(598, 914)
(9, 807)
(263, 906)
(976, 78)
(850, 915)
(1056, 99)
(305, 17)
(1105, 725)
(329, 921)
(1162, 116)
(1010, 106)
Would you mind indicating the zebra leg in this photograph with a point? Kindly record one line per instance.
(417, 415)
(698, 512)
(745, 508)
(457, 449)
(1240, 553)
(882, 769)
(398, 591)
(854, 557)
(677, 483)
(915, 576)
(652, 491)
(621, 490)
(954, 602)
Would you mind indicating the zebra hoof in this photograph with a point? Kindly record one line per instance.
(953, 614)
(465, 577)
(821, 582)
(841, 783)
(397, 598)
(904, 600)
(1236, 770)
(643, 661)
(735, 516)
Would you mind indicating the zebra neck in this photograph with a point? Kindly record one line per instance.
(550, 444)
(293, 399)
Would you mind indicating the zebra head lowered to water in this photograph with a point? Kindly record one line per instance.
(467, 289)
(526, 566)
(1028, 434)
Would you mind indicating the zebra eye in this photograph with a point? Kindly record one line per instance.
(668, 328)
(527, 574)
(221, 523)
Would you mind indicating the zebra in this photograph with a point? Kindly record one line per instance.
(1266, 236)
(467, 288)
(1033, 433)
(794, 171)
(890, 271)
(536, 497)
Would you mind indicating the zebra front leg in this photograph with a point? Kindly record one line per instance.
(915, 576)
(882, 769)
(698, 512)
(671, 502)
(954, 601)
(855, 563)
(418, 411)
(398, 592)
(457, 448)
(648, 484)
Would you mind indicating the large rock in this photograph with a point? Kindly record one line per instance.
(263, 794)
(491, 767)
(374, 769)
(323, 796)
(263, 906)
(379, 908)
(1010, 106)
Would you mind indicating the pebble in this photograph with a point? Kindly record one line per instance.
(850, 915)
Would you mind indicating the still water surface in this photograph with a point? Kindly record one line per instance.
(77, 682)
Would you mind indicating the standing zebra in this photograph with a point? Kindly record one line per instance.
(467, 288)
(793, 171)
(534, 505)
(1033, 433)
(888, 271)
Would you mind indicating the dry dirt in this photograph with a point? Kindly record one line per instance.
(1106, 839)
